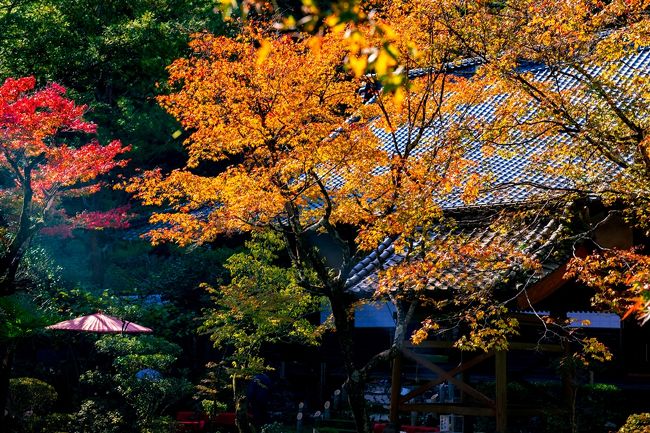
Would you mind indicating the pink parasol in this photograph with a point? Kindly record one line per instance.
(102, 324)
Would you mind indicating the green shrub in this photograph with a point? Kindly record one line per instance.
(29, 400)
(94, 417)
(30, 396)
(275, 427)
(636, 423)
(127, 399)
(598, 407)
(159, 425)
(57, 423)
(212, 407)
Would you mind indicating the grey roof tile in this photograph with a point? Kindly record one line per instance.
(533, 239)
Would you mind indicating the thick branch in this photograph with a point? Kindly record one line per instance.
(11, 259)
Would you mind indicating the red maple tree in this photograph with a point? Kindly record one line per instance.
(41, 162)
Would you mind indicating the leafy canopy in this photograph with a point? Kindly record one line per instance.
(590, 107)
(42, 160)
(279, 111)
(262, 304)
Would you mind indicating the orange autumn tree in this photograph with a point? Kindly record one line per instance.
(589, 107)
(325, 159)
(38, 168)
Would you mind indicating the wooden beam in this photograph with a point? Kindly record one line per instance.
(457, 409)
(459, 369)
(542, 289)
(463, 386)
(501, 391)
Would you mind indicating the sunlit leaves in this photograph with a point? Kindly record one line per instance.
(40, 167)
(275, 106)
(263, 303)
(621, 279)
(30, 120)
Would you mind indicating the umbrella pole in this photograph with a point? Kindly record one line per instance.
(75, 360)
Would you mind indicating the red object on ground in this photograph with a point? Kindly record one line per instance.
(224, 419)
(101, 324)
(379, 428)
(189, 421)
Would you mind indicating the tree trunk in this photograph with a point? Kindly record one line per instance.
(241, 405)
(355, 383)
(6, 361)
(8, 269)
(357, 398)
(343, 313)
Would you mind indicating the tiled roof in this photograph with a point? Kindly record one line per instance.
(507, 187)
(537, 239)
(514, 178)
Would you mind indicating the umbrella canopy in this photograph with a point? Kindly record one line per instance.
(148, 374)
(102, 324)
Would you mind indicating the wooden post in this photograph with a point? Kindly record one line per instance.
(395, 388)
(501, 391)
(468, 420)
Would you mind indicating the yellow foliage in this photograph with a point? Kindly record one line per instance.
(278, 108)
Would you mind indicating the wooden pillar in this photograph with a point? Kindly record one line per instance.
(395, 388)
(501, 391)
(468, 420)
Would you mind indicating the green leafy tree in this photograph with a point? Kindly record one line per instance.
(263, 304)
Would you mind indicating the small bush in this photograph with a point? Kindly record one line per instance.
(275, 427)
(93, 417)
(636, 423)
(57, 423)
(159, 425)
(29, 400)
(30, 396)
